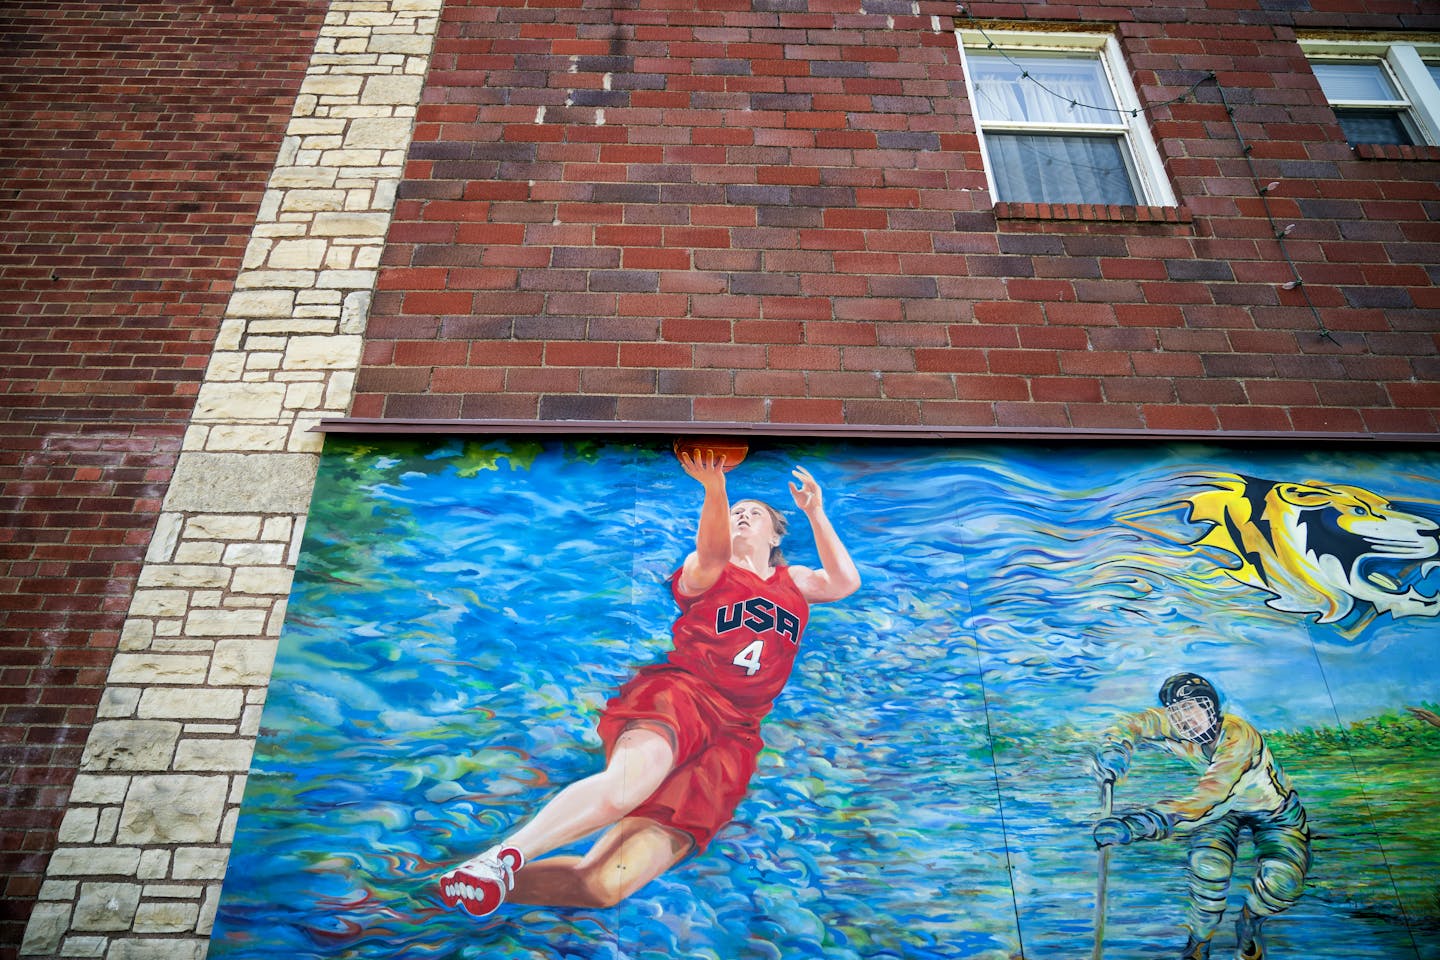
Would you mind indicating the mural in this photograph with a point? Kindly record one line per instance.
(572, 698)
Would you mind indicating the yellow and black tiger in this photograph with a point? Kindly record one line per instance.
(1319, 548)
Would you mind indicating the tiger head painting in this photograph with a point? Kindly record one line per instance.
(1329, 550)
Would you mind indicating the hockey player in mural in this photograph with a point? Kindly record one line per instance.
(682, 736)
(1241, 788)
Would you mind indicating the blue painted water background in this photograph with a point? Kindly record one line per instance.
(463, 609)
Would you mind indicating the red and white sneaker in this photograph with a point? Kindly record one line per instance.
(480, 884)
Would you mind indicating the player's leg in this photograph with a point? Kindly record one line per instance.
(627, 857)
(1282, 854)
(694, 802)
(1211, 863)
(641, 759)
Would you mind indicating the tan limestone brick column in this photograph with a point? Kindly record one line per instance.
(145, 840)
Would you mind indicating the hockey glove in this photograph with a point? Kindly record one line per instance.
(1129, 827)
(1111, 763)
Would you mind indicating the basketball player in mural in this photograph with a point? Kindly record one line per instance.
(1241, 788)
(682, 736)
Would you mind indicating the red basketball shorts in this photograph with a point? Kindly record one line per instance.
(716, 744)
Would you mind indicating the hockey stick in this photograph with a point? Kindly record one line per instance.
(1107, 799)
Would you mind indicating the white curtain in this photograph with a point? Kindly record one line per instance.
(1060, 169)
(1004, 92)
(1051, 166)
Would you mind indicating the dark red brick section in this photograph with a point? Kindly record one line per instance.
(776, 210)
(135, 141)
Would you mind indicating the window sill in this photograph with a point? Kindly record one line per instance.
(1391, 151)
(1091, 211)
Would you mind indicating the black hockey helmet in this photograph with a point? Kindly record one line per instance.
(1193, 706)
(1188, 686)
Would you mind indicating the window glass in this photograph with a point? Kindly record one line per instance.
(1059, 120)
(1373, 126)
(1351, 82)
(1061, 169)
(1042, 88)
(1382, 92)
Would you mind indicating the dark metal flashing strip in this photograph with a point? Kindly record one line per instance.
(688, 428)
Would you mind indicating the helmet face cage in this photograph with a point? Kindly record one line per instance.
(1193, 707)
(1195, 718)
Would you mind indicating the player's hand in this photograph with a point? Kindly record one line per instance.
(1111, 831)
(1111, 764)
(704, 467)
(1149, 824)
(807, 492)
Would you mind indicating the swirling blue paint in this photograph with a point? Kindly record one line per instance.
(428, 698)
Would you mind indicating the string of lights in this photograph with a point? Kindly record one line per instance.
(1296, 283)
(1280, 233)
(990, 44)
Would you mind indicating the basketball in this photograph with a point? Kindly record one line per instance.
(732, 450)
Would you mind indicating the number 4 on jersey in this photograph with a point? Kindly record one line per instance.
(749, 658)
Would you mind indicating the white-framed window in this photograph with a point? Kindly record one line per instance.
(1059, 120)
(1382, 92)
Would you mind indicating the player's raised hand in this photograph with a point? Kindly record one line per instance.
(807, 492)
(704, 466)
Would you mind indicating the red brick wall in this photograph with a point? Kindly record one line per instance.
(783, 217)
(135, 141)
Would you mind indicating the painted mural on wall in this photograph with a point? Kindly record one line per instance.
(574, 698)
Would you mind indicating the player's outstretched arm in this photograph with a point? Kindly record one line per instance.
(1429, 716)
(837, 577)
(712, 536)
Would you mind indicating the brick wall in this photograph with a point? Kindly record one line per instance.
(768, 211)
(137, 141)
(776, 211)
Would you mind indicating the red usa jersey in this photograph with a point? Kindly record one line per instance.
(742, 634)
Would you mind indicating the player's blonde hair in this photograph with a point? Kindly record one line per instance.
(778, 521)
